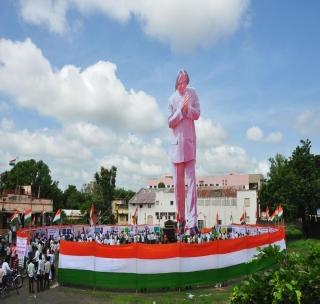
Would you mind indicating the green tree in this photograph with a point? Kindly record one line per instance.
(276, 189)
(120, 193)
(293, 182)
(161, 185)
(37, 175)
(306, 193)
(72, 198)
(106, 183)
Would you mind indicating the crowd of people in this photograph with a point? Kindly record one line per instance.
(39, 264)
(163, 236)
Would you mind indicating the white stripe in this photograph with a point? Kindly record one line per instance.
(145, 266)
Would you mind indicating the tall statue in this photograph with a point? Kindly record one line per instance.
(184, 109)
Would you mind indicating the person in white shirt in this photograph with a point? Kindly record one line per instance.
(6, 268)
(31, 272)
(40, 273)
(7, 271)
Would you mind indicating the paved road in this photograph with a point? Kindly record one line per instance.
(55, 295)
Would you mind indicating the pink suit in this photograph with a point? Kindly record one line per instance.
(183, 153)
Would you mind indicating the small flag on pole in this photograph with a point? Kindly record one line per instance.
(12, 162)
(14, 218)
(280, 211)
(243, 218)
(92, 215)
(57, 217)
(27, 216)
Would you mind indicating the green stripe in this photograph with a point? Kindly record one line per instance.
(163, 280)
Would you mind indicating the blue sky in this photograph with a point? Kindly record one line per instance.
(85, 84)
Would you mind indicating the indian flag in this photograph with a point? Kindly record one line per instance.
(171, 265)
(274, 214)
(12, 162)
(14, 218)
(57, 217)
(27, 216)
(280, 211)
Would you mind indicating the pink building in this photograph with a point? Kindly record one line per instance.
(232, 180)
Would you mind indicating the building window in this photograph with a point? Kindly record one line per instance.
(157, 202)
(247, 202)
(141, 206)
(171, 203)
(149, 205)
(133, 205)
(172, 215)
(168, 186)
(157, 215)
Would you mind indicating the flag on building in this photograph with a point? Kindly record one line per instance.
(14, 218)
(243, 218)
(12, 162)
(27, 216)
(57, 217)
(92, 215)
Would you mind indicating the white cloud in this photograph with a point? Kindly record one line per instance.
(71, 94)
(209, 133)
(183, 24)
(90, 134)
(7, 124)
(223, 159)
(308, 123)
(50, 13)
(274, 137)
(263, 167)
(41, 142)
(254, 134)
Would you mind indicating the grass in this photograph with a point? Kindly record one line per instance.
(200, 295)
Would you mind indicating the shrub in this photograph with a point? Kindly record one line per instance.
(295, 278)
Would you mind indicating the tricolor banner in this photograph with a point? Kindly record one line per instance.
(163, 265)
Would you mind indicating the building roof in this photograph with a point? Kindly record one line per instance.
(144, 196)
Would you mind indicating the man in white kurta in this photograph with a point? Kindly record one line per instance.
(184, 109)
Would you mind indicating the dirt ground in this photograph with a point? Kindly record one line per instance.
(61, 295)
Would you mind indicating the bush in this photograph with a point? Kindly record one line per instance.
(294, 279)
(293, 232)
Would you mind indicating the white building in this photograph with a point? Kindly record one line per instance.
(155, 206)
